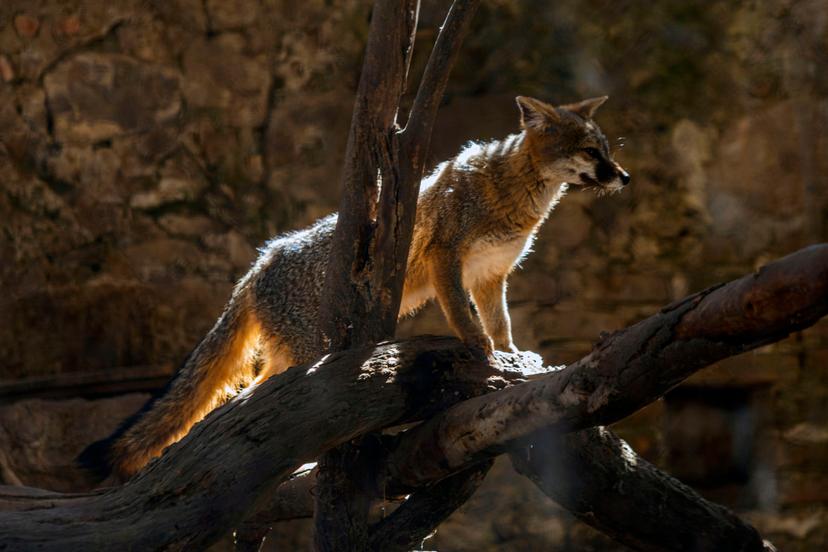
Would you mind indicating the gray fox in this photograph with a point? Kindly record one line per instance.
(477, 215)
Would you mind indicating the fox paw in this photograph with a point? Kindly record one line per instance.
(482, 342)
(508, 348)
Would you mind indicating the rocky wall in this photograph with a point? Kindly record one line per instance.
(148, 147)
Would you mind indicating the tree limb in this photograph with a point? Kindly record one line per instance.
(356, 308)
(205, 484)
(292, 500)
(626, 370)
(425, 509)
(368, 259)
(354, 312)
(435, 77)
(599, 478)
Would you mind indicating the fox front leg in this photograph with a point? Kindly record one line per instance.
(447, 278)
(490, 300)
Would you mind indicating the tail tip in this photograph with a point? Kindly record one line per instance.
(95, 458)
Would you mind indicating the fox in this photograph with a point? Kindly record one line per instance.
(477, 217)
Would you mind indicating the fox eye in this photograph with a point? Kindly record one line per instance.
(592, 152)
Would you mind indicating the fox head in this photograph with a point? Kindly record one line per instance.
(567, 145)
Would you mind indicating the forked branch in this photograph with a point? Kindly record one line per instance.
(369, 255)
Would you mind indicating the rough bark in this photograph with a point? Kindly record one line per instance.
(628, 369)
(342, 496)
(417, 518)
(355, 308)
(367, 264)
(366, 270)
(210, 480)
(599, 478)
(292, 500)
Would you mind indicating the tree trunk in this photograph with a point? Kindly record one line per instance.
(366, 270)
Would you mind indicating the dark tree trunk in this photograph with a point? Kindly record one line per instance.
(366, 270)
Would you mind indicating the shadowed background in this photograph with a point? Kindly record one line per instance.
(148, 147)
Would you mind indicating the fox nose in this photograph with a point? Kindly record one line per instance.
(625, 177)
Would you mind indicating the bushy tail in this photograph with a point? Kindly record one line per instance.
(210, 375)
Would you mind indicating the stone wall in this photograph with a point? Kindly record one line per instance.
(148, 147)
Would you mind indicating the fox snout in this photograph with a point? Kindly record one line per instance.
(607, 170)
(623, 175)
(605, 174)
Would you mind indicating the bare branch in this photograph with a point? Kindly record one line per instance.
(292, 500)
(244, 449)
(402, 173)
(343, 491)
(369, 256)
(368, 260)
(599, 478)
(425, 509)
(433, 84)
(626, 370)
(247, 447)
(356, 308)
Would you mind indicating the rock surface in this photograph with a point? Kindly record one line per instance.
(41, 438)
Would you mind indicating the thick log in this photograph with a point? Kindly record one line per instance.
(599, 478)
(208, 482)
(368, 260)
(292, 500)
(356, 309)
(627, 370)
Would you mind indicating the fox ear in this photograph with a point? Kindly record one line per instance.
(586, 108)
(535, 113)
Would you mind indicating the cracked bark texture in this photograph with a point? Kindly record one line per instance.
(243, 450)
(367, 265)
